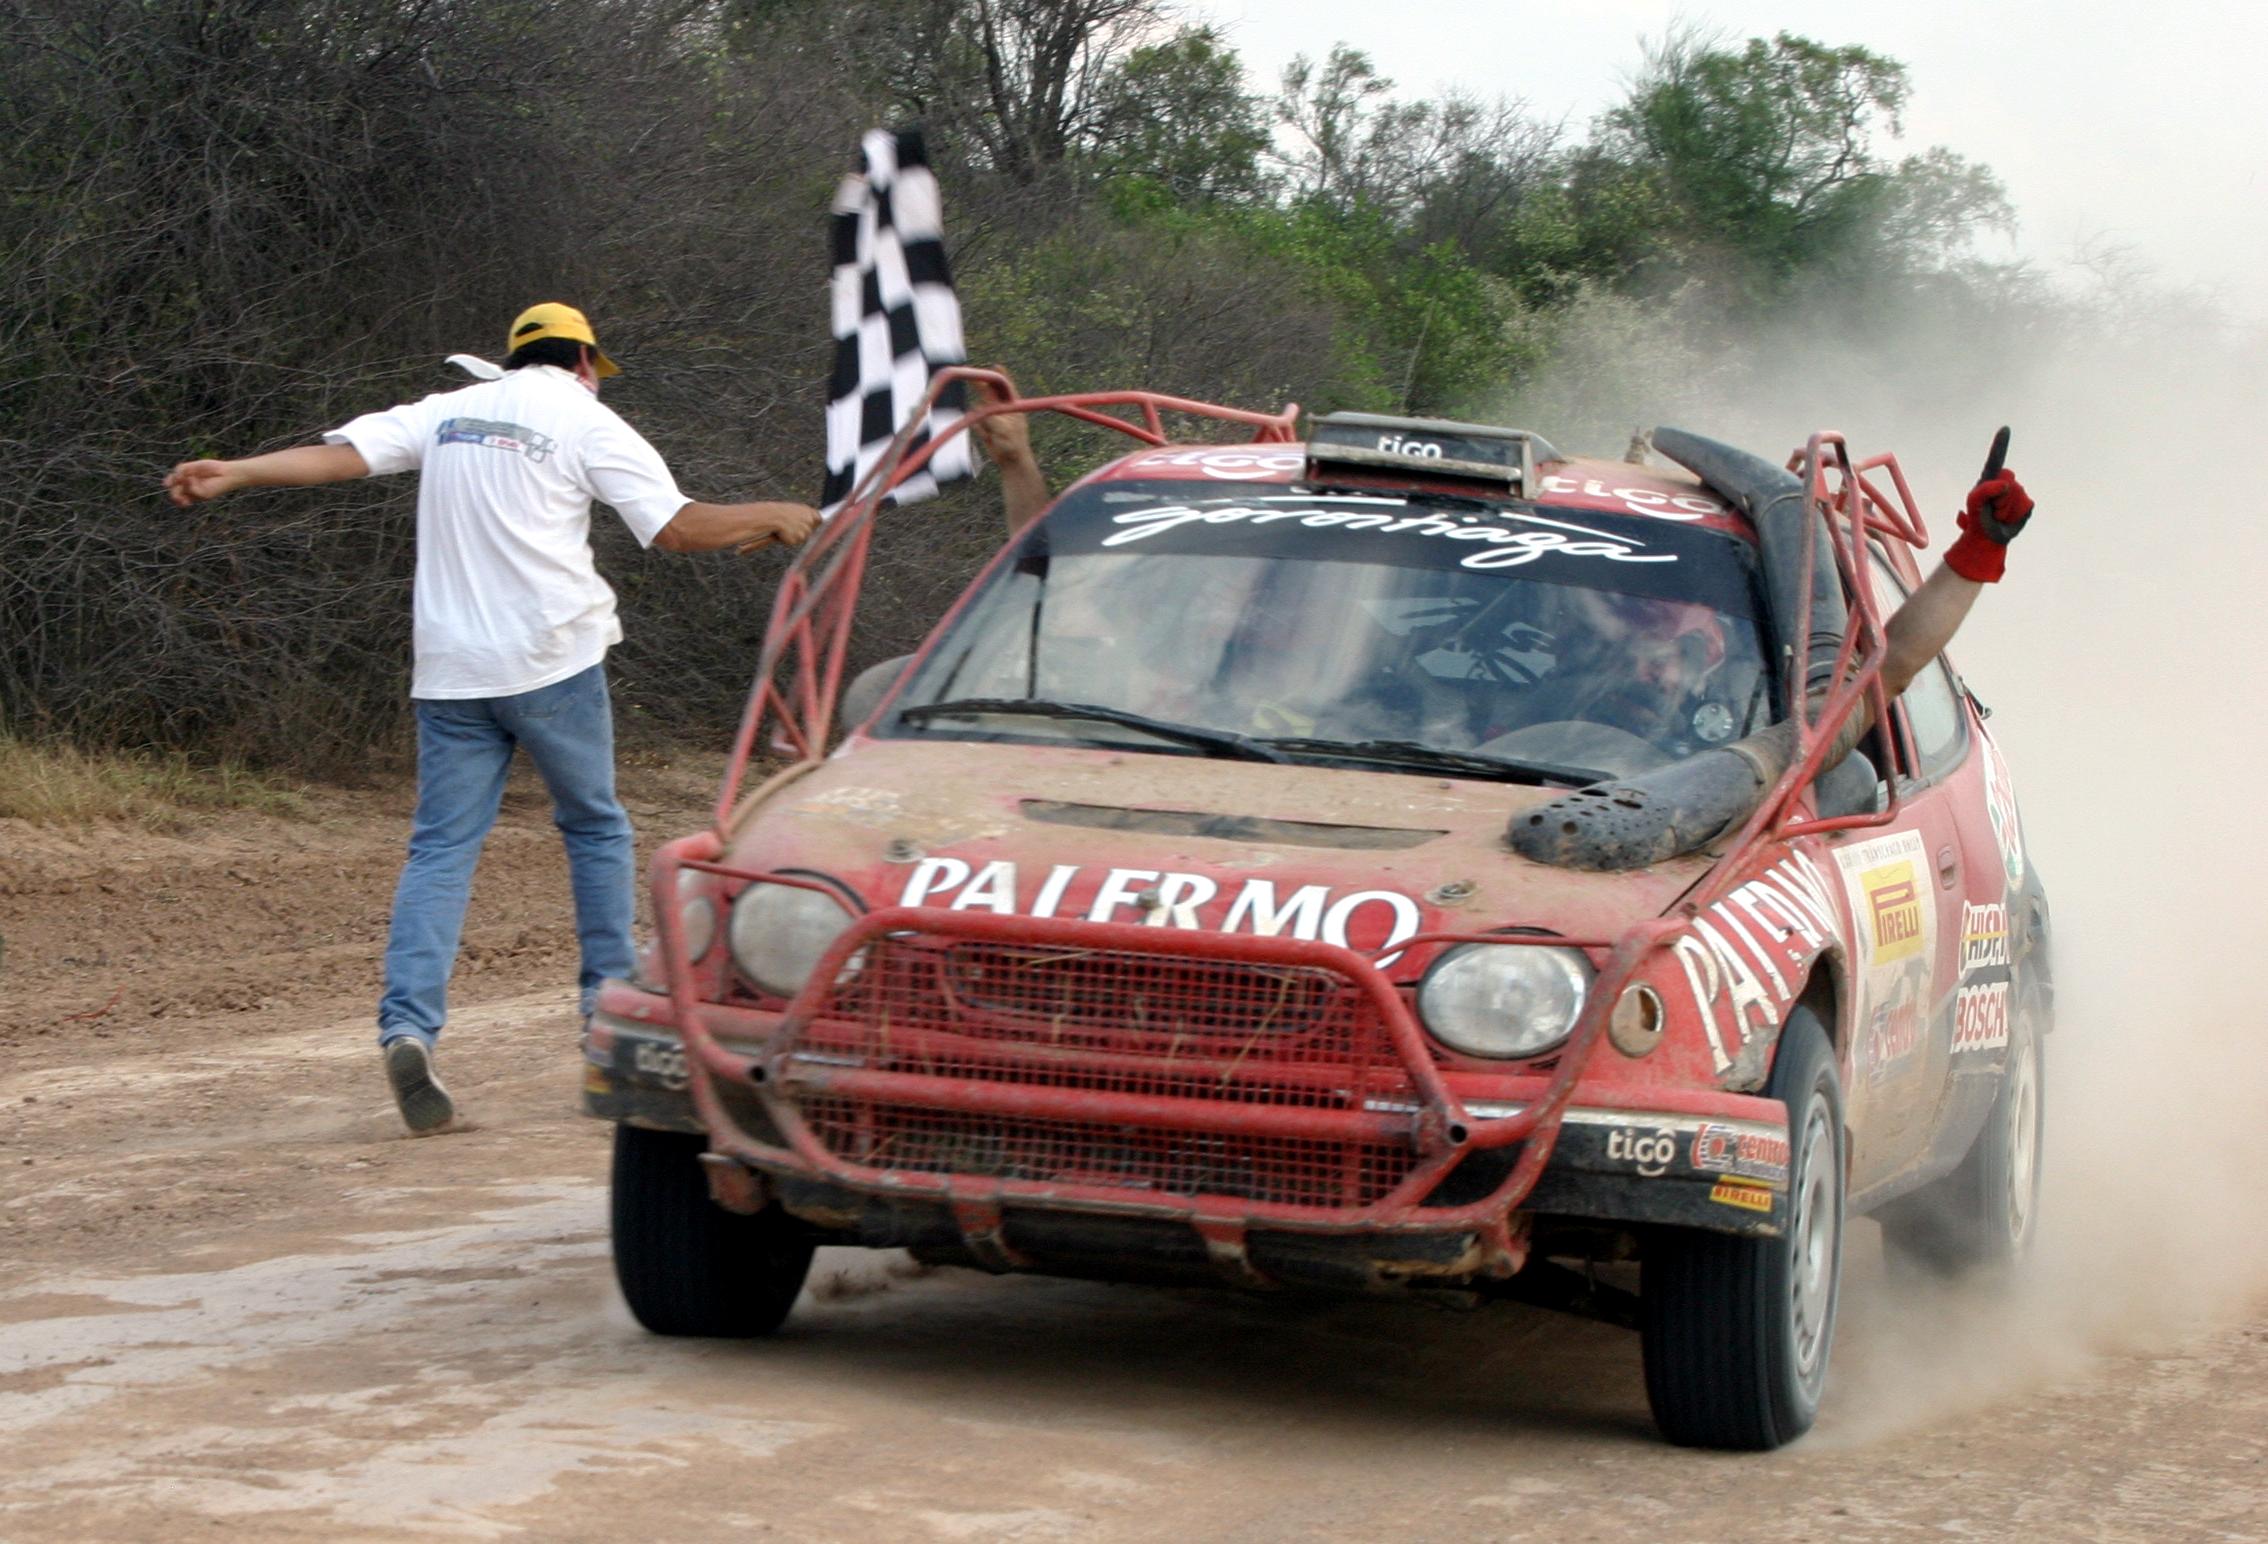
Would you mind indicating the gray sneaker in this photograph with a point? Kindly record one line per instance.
(424, 1102)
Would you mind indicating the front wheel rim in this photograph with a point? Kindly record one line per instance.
(1814, 1241)
(2023, 1134)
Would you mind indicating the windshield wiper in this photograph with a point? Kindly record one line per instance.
(1216, 742)
(1411, 753)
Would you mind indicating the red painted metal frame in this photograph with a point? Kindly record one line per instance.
(1442, 1131)
(809, 631)
(1853, 510)
(799, 674)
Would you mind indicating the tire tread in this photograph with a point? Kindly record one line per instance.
(1712, 1350)
(687, 1266)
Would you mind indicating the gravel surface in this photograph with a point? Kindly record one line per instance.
(237, 1301)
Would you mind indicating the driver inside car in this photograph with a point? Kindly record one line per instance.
(1634, 663)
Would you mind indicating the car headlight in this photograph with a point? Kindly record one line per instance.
(778, 933)
(1504, 1000)
(696, 913)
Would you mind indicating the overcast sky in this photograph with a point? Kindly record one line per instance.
(2136, 126)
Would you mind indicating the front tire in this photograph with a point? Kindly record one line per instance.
(686, 1265)
(1984, 1215)
(1736, 1331)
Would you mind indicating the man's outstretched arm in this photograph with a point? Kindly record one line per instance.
(700, 527)
(1919, 630)
(193, 482)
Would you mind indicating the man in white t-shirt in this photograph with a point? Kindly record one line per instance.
(512, 625)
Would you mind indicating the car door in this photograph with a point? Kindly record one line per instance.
(1984, 989)
(1908, 887)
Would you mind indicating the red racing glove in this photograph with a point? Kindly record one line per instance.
(1998, 508)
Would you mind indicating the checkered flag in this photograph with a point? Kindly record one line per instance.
(896, 319)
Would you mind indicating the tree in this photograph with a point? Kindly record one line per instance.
(1334, 109)
(1766, 153)
(1013, 87)
(1176, 115)
(1594, 220)
(1453, 171)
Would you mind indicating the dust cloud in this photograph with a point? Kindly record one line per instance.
(2122, 660)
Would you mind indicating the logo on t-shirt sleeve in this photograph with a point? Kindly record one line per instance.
(495, 435)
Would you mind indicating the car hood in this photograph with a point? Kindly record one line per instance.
(1357, 857)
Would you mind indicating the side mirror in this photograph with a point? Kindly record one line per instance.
(867, 689)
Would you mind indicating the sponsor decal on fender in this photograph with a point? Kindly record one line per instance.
(1740, 1193)
(1749, 1154)
(1893, 912)
(1984, 936)
(1744, 958)
(2000, 809)
(1894, 909)
(1980, 1017)
(1894, 1027)
(1160, 898)
(1980, 1007)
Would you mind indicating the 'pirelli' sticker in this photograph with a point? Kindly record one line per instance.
(1749, 1198)
(1893, 905)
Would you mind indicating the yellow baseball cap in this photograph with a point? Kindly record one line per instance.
(553, 320)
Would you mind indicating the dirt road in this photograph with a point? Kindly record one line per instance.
(235, 1301)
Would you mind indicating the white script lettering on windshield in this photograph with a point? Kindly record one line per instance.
(1505, 546)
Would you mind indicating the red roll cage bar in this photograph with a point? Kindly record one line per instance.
(799, 675)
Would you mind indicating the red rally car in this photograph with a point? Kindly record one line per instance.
(1403, 859)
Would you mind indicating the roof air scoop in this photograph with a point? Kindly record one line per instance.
(1428, 447)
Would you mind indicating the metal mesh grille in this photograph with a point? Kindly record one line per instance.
(1117, 1021)
(1285, 1170)
(1110, 1019)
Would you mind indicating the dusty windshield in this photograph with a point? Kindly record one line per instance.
(1288, 619)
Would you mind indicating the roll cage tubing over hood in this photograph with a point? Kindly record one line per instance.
(1620, 824)
(799, 677)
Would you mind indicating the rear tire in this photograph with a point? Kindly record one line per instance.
(1984, 1215)
(1736, 1331)
(686, 1265)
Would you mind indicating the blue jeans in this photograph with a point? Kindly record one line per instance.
(464, 747)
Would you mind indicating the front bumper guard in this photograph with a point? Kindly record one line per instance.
(756, 1059)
